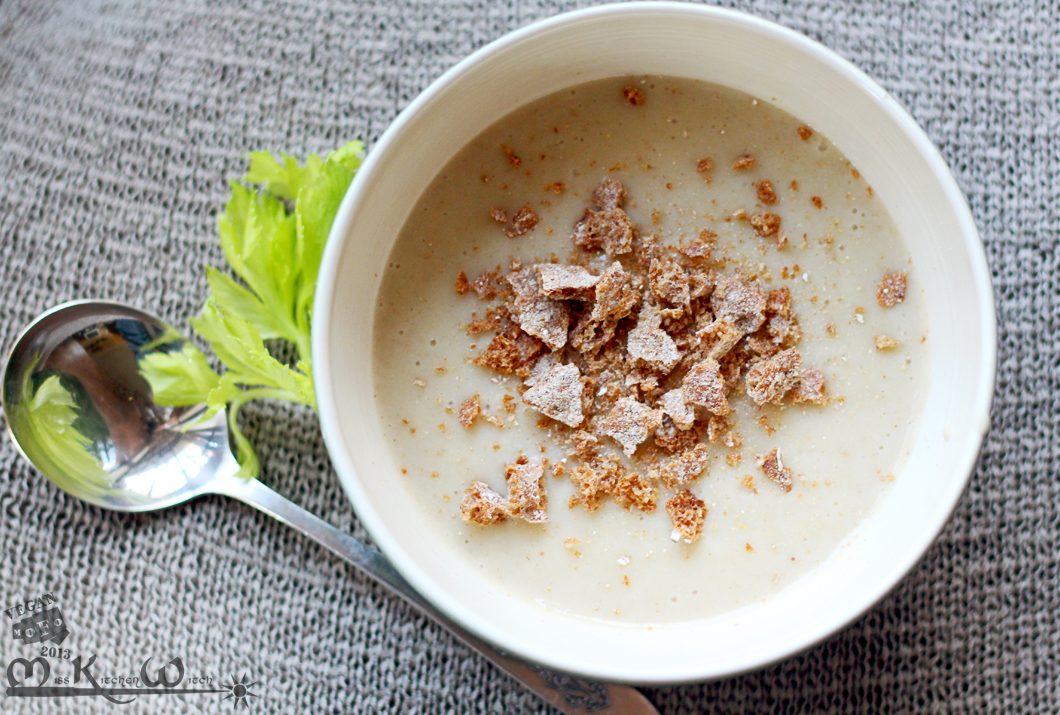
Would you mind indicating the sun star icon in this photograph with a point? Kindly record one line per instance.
(239, 690)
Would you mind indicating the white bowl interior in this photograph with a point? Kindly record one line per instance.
(774, 65)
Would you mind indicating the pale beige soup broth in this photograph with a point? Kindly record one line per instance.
(756, 541)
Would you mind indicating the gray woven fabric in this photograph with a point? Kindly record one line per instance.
(120, 124)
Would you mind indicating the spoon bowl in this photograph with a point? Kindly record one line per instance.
(80, 409)
(149, 456)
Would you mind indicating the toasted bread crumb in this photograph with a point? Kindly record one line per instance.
(891, 290)
(804, 133)
(593, 480)
(810, 389)
(765, 224)
(585, 444)
(481, 505)
(484, 286)
(499, 215)
(769, 380)
(672, 440)
(566, 282)
(629, 423)
(778, 302)
(462, 285)
(650, 344)
(718, 338)
(537, 315)
(509, 354)
(739, 301)
(526, 495)
(774, 469)
(781, 330)
(508, 405)
(701, 248)
(522, 222)
(513, 160)
(541, 367)
(482, 325)
(633, 490)
(701, 283)
(633, 96)
(745, 161)
(765, 192)
(610, 194)
(669, 283)
(558, 394)
(703, 385)
(883, 342)
(610, 230)
(469, 410)
(816, 201)
(687, 513)
(680, 471)
(614, 300)
(676, 407)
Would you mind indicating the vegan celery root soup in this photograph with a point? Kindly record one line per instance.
(647, 350)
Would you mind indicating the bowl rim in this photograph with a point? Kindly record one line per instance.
(323, 301)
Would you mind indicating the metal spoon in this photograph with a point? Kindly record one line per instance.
(79, 409)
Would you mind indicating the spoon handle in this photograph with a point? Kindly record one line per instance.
(571, 695)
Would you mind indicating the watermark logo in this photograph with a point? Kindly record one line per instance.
(38, 621)
(56, 672)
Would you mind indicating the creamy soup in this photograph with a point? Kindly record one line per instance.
(613, 564)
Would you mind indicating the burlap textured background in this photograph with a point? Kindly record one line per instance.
(120, 123)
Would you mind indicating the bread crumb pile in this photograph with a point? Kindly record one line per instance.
(631, 352)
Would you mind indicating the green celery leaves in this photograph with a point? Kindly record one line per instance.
(177, 379)
(273, 238)
(276, 252)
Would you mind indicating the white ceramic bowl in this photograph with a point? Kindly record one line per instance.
(768, 62)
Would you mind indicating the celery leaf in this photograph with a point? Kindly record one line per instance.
(273, 240)
(179, 378)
